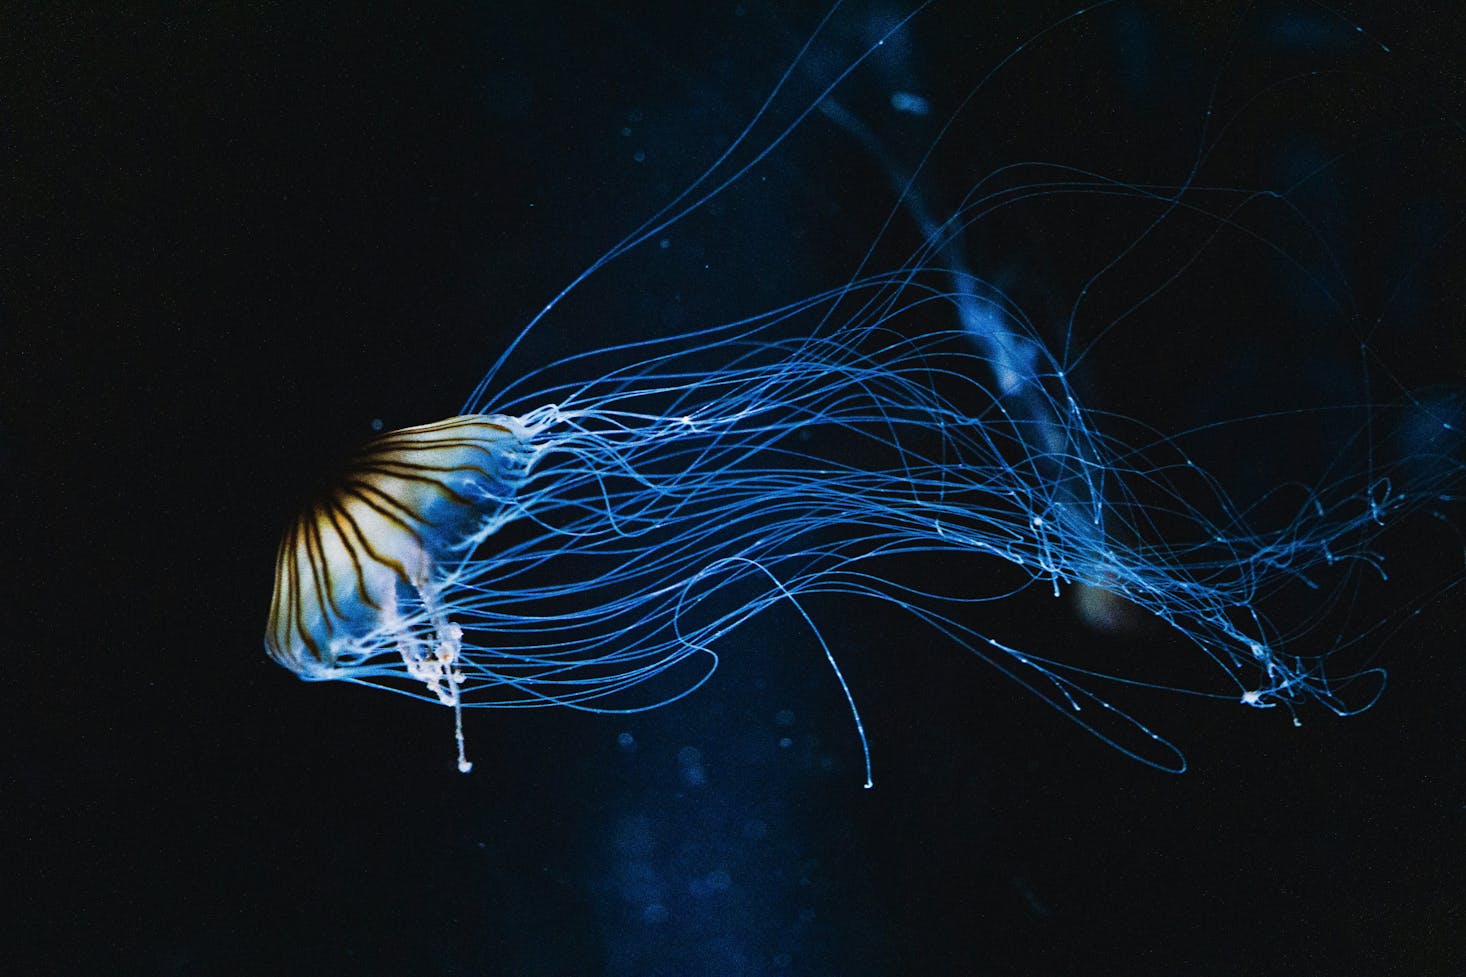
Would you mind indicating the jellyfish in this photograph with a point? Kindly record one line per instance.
(592, 542)
(407, 501)
(595, 550)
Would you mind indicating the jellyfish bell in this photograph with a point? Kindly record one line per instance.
(358, 574)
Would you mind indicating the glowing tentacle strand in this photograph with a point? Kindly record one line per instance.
(358, 573)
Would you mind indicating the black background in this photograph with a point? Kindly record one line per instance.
(238, 236)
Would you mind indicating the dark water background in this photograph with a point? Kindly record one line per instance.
(240, 234)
